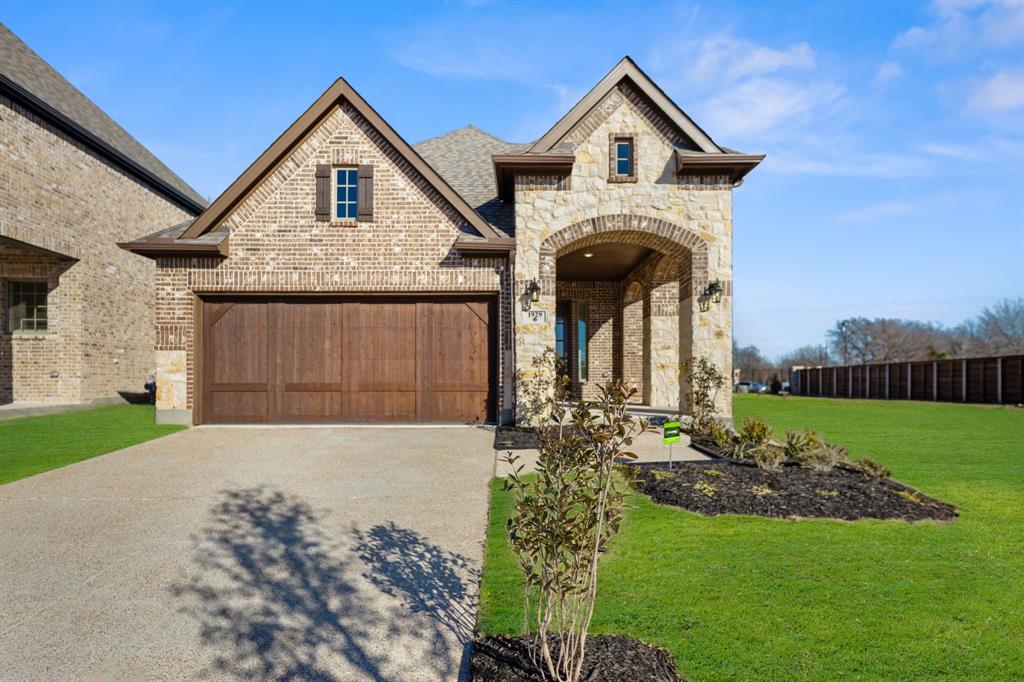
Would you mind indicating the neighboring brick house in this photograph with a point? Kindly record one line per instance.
(347, 276)
(76, 312)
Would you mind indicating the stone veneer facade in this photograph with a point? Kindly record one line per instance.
(56, 194)
(687, 221)
(277, 246)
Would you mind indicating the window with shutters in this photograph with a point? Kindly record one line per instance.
(26, 306)
(346, 193)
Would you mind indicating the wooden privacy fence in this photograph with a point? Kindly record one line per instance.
(998, 380)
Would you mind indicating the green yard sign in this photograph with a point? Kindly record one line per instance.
(671, 433)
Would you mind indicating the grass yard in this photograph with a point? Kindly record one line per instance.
(32, 445)
(737, 597)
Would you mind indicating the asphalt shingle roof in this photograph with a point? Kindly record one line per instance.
(463, 158)
(27, 69)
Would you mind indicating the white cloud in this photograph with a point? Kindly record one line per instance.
(725, 57)
(959, 25)
(888, 71)
(876, 212)
(758, 105)
(982, 150)
(960, 152)
(999, 93)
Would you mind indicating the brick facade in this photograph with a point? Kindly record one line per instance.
(277, 246)
(58, 195)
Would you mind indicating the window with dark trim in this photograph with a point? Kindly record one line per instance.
(582, 365)
(621, 158)
(346, 193)
(26, 306)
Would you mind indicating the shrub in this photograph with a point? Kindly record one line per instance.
(796, 444)
(739, 450)
(719, 433)
(768, 457)
(872, 468)
(823, 458)
(755, 431)
(812, 438)
(703, 382)
(562, 522)
(541, 389)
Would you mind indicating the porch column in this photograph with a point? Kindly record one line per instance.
(665, 334)
(632, 334)
(534, 328)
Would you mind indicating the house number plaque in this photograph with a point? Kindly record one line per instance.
(537, 315)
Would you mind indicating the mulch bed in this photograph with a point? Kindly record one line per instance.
(516, 437)
(608, 658)
(732, 487)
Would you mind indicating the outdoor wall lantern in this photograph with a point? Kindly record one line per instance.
(713, 293)
(532, 295)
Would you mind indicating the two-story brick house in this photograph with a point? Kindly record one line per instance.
(76, 312)
(348, 276)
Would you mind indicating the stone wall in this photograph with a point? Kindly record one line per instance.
(58, 195)
(277, 246)
(687, 218)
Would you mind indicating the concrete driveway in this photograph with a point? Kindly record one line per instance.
(249, 553)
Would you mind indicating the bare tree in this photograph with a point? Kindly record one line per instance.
(805, 356)
(998, 330)
(748, 360)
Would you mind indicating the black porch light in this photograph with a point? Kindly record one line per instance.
(532, 294)
(533, 289)
(714, 291)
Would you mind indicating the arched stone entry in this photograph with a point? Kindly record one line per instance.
(660, 292)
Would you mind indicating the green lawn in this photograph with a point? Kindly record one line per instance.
(31, 445)
(739, 597)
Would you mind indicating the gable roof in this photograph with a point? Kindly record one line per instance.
(339, 91)
(625, 69)
(28, 79)
(463, 158)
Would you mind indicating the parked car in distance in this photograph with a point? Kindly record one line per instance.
(750, 387)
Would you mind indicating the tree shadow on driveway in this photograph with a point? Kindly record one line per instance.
(275, 597)
(430, 581)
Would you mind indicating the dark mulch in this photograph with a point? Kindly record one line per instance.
(518, 437)
(732, 487)
(609, 658)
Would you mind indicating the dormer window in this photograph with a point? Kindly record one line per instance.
(621, 158)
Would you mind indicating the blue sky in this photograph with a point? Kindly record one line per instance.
(894, 184)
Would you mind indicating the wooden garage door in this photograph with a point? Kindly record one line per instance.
(369, 360)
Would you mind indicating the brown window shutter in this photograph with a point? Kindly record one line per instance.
(365, 194)
(632, 157)
(323, 192)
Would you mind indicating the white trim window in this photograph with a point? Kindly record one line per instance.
(346, 193)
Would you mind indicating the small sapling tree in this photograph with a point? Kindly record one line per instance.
(562, 521)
